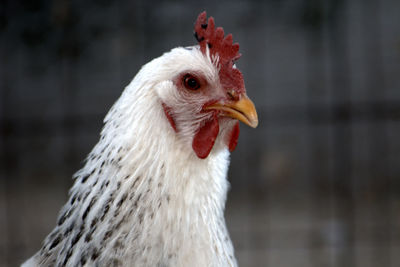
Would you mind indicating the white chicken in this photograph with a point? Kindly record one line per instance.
(153, 190)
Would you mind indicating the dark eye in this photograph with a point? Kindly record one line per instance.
(190, 82)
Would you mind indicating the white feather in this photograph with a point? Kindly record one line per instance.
(165, 205)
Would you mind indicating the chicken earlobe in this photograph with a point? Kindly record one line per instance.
(167, 111)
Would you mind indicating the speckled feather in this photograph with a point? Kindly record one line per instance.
(143, 198)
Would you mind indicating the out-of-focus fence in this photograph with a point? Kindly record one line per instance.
(317, 184)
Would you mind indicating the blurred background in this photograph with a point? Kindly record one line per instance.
(316, 184)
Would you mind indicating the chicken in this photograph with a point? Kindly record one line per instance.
(152, 191)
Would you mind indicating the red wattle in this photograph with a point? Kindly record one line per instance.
(204, 139)
(234, 136)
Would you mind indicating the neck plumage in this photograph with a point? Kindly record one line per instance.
(143, 196)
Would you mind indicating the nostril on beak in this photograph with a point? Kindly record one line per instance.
(232, 95)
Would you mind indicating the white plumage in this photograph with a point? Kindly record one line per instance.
(144, 197)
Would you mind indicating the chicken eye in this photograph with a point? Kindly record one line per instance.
(190, 82)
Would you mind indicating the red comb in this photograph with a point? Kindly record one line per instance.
(206, 34)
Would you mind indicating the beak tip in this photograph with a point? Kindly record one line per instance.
(254, 122)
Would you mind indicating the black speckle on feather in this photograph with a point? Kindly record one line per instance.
(94, 222)
(118, 245)
(141, 215)
(89, 207)
(65, 216)
(107, 235)
(84, 178)
(103, 185)
(77, 237)
(83, 259)
(105, 211)
(119, 204)
(86, 195)
(114, 262)
(69, 253)
(55, 242)
(69, 229)
(133, 188)
(137, 200)
(95, 254)
(73, 199)
(107, 206)
(88, 236)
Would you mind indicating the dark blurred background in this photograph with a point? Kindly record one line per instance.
(316, 184)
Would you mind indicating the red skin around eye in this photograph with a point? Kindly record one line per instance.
(204, 139)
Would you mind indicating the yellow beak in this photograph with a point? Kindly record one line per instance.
(243, 110)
